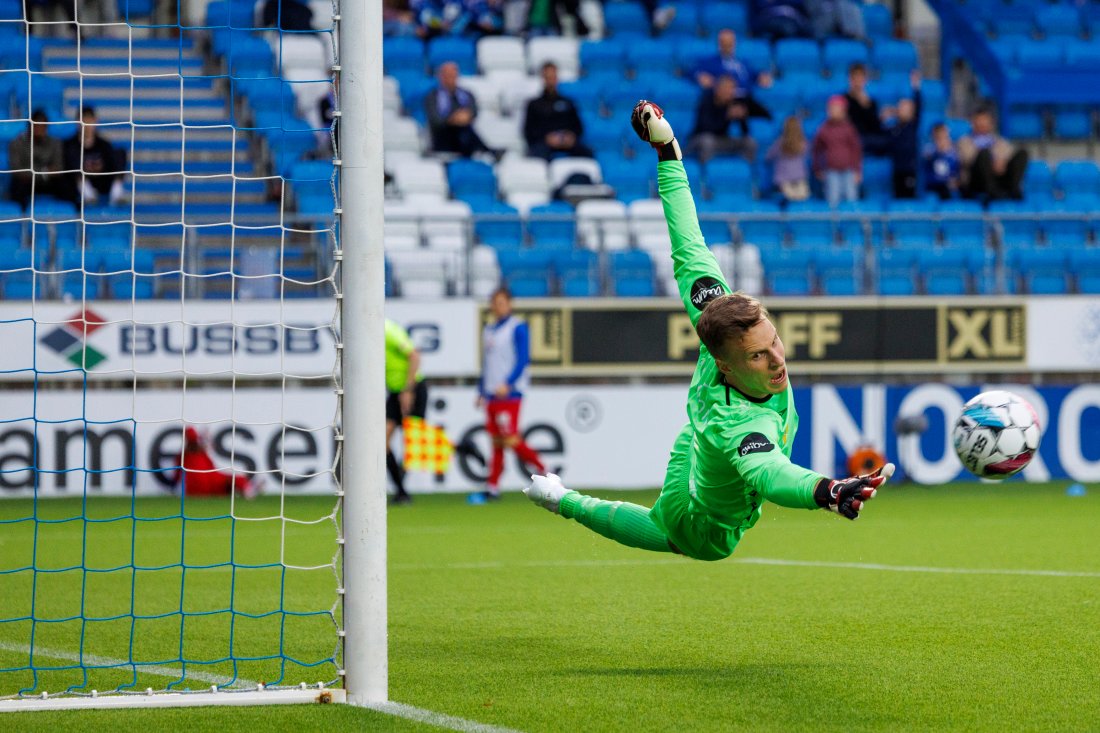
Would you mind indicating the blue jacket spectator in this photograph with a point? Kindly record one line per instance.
(718, 107)
(726, 63)
(451, 111)
(941, 164)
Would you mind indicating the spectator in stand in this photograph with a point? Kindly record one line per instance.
(941, 164)
(551, 124)
(718, 107)
(482, 17)
(904, 137)
(289, 15)
(726, 63)
(837, 156)
(451, 113)
(864, 114)
(776, 19)
(35, 159)
(835, 18)
(98, 164)
(544, 17)
(397, 19)
(992, 167)
(790, 174)
(435, 17)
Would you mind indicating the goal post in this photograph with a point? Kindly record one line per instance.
(215, 288)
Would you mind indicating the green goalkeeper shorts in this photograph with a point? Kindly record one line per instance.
(692, 530)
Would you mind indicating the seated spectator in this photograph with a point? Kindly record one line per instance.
(397, 19)
(435, 17)
(726, 63)
(718, 107)
(551, 124)
(451, 113)
(992, 167)
(481, 17)
(776, 19)
(544, 17)
(35, 159)
(835, 18)
(837, 155)
(904, 136)
(788, 158)
(864, 114)
(101, 163)
(941, 164)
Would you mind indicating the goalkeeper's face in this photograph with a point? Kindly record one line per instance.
(756, 364)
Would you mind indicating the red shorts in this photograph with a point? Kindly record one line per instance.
(502, 417)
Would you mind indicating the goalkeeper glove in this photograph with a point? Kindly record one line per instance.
(649, 122)
(847, 496)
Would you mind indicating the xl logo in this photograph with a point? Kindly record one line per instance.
(993, 334)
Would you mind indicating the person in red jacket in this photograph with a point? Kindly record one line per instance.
(837, 154)
(200, 476)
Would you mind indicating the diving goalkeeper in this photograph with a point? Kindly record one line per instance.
(734, 452)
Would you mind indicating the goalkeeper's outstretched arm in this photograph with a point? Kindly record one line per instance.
(697, 273)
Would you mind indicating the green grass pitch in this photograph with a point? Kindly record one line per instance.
(506, 615)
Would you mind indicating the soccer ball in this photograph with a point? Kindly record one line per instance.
(996, 435)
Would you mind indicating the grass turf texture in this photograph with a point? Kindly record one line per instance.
(506, 615)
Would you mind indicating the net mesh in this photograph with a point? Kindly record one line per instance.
(169, 375)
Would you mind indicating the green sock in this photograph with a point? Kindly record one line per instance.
(627, 524)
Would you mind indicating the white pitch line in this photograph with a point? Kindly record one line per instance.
(500, 565)
(95, 660)
(450, 722)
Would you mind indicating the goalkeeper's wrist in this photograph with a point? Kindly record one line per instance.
(668, 151)
(822, 496)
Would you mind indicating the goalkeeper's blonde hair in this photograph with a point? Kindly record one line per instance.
(728, 317)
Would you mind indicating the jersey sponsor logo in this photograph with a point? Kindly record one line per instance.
(704, 290)
(755, 443)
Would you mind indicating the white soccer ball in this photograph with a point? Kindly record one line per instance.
(996, 435)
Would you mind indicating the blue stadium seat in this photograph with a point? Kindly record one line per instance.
(605, 134)
(840, 53)
(1038, 181)
(968, 232)
(645, 54)
(1073, 123)
(625, 19)
(1042, 271)
(1025, 123)
(1079, 176)
(756, 53)
(460, 50)
(631, 178)
(1058, 21)
(893, 56)
(718, 15)
(250, 59)
(503, 232)
(810, 233)
(933, 99)
(552, 226)
(632, 274)
(1085, 266)
(718, 230)
(1090, 18)
(781, 99)
(686, 22)
(797, 56)
(1083, 54)
(947, 271)
(729, 175)
(609, 54)
(918, 228)
(878, 181)
(1012, 19)
(895, 271)
(689, 52)
(878, 22)
(11, 226)
(788, 271)
(402, 53)
(471, 178)
(854, 232)
(579, 272)
(1040, 56)
(1066, 222)
(765, 233)
(1006, 49)
(526, 272)
(839, 271)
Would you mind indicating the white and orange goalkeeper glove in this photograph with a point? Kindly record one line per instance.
(847, 496)
(648, 120)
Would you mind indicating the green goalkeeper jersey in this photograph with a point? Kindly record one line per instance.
(741, 447)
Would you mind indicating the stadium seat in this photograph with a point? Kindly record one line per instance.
(782, 98)
(552, 226)
(857, 219)
(605, 55)
(648, 228)
(877, 178)
(1078, 176)
(1058, 22)
(486, 91)
(631, 178)
(562, 51)
(1065, 223)
(579, 273)
(1038, 180)
(402, 53)
(1025, 123)
(526, 272)
(516, 174)
(895, 271)
(915, 227)
(690, 51)
(1084, 264)
(1073, 123)
(947, 271)
(1083, 54)
(715, 218)
(1040, 55)
(765, 230)
(504, 132)
(894, 57)
(646, 54)
(1041, 271)
(632, 274)
(625, 19)
(840, 272)
(471, 177)
(456, 49)
(685, 23)
(755, 52)
(500, 52)
(840, 53)
(1012, 20)
(718, 15)
(562, 168)
(424, 176)
(810, 224)
(605, 135)
(729, 175)
(878, 23)
(602, 224)
(795, 56)
(787, 271)
(962, 224)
